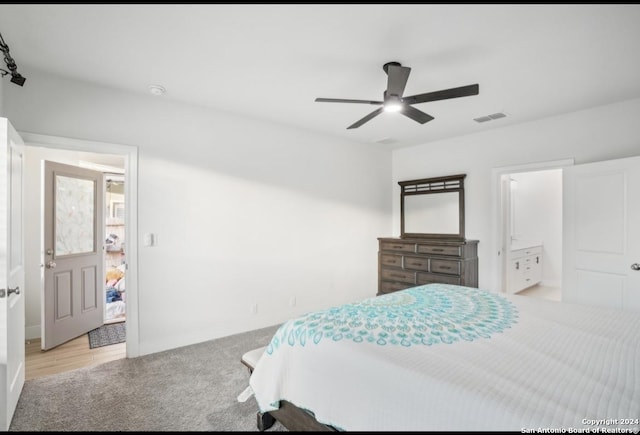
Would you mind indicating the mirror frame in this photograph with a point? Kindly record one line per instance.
(432, 186)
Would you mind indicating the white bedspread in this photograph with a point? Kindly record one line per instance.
(511, 363)
(115, 309)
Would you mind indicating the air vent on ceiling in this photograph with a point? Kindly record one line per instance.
(490, 117)
(386, 141)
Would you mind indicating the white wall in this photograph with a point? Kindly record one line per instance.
(601, 133)
(246, 212)
(538, 218)
(2, 114)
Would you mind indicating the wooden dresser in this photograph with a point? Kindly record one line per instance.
(404, 263)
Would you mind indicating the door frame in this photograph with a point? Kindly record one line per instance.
(498, 241)
(130, 154)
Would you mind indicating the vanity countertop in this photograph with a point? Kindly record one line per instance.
(524, 244)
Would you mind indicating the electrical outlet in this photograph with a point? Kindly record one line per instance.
(292, 301)
(254, 309)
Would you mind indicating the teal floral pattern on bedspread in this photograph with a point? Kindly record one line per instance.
(424, 315)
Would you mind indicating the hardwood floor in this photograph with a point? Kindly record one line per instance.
(68, 356)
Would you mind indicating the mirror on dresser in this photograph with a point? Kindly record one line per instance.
(432, 247)
(432, 207)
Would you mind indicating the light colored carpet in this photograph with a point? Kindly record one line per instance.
(193, 388)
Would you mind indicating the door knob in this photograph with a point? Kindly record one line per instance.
(13, 290)
(635, 266)
(51, 265)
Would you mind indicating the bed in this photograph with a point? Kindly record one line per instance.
(443, 357)
(115, 308)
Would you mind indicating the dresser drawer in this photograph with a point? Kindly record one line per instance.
(411, 261)
(391, 260)
(389, 287)
(399, 275)
(533, 259)
(533, 250)
(451, 267)
(398, 246)
(428, 278)
(440, 250)
(416, 263)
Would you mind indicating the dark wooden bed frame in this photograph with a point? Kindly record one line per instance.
(289, 415)
(293, 418)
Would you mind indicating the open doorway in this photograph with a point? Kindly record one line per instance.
(533, 232)
(115, 249)
(117, 160)
(529, 229)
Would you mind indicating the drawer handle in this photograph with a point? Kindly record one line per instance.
(517, 265)
(445, 267)
(416, 264)
(396, 275)
(437, 249)
(397, 246)
(537, 259)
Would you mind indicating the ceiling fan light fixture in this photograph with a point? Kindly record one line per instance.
(392, 103)
(392, 107)
(395, 101)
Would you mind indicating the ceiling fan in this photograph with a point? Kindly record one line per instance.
(393, 100)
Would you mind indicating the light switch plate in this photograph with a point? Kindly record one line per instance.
(150, 239)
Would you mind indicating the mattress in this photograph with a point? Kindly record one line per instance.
(449, 358)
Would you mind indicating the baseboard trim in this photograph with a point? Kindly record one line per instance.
(31, 332)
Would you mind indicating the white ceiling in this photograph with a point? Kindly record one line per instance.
(272, 61)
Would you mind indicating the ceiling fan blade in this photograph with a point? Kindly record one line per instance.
(463, 91)
(366, 118)
(416, 115)
(397, 79)
(340, 100)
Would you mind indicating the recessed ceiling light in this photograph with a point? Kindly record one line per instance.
(157, 90)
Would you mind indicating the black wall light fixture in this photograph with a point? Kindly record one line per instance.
(11, 64)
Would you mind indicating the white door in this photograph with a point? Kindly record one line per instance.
(12, 316)
(74, 293)
(601, 227)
